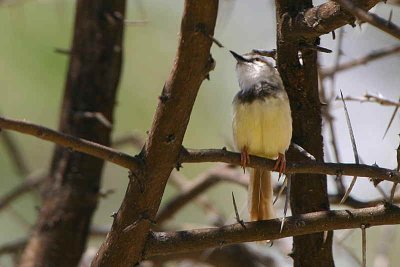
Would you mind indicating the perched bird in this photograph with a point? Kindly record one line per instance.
(262, 126)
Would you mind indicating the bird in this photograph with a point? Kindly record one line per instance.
(262, 126)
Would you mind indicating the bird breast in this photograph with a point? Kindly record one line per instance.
(263, 126)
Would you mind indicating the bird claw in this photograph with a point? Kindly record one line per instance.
(244, 159)
(280, 164)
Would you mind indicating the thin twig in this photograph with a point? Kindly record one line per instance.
(180, 182)
(13, 246)
(372, 19)
(372, 98)
(364, 245)
(132, 139)
(24, 187)
(71, 142)
(135, 22)
(15, 154)
(203, 182)
(374, 55)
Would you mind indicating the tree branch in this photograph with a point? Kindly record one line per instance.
(315, 167)
(300, 78)
(24, 187)
(372, 19)
(374, 55)
(71, 190)
(200, 184)
(322, 19)
(196, 156)
(125, 242)
(164, 243)
(71, 142)
(371, 98)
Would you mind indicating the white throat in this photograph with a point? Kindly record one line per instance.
(250, 74)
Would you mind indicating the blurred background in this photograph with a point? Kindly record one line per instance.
(32, 75)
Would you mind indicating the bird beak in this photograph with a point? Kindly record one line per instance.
(238, 57)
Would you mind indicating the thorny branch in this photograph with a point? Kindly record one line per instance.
(373, 98)
(157, 239)
(141, 202)
(382, 24)
(322, 19)
(196, 156)
(71, 142)
(374, 55)
(163, 243)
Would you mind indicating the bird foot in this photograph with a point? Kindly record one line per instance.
(244, 159)
(280, 164)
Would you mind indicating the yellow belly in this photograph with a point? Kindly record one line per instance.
(264, 127)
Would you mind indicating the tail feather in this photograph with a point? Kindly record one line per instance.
(260, 195)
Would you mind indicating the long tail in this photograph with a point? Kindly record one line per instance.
(260, 195)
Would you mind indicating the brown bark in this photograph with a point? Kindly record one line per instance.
(71, 191)
(315, 21)
(165, 243)
(205, 155)
(125, 243)
(301, 83)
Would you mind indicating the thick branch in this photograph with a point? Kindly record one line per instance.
(322, 19)
(372, 19)
(125, 242)
(301, 82)
(71, 192)
(163, 243)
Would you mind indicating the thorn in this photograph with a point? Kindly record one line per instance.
(237, 217)
(284, 184)
(390, 17)
(170, 138)
(215, 41)
(392, 193)
(164, 97)
(354, 146)
(98, 116)
(178, 166)
(135, 22)
(289, 184)
(63, 51)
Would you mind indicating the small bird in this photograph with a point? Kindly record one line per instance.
(262, 126)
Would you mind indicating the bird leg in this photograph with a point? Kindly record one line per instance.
(244, 158)
(280, 164)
